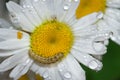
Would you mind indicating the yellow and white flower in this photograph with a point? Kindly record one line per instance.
(50, 40)
(111, 15)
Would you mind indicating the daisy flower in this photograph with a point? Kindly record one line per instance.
(111, 12)
(49, 40)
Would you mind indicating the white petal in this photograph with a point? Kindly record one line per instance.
(13, 60)
(68, 8)
(114, 27)
(14, 44)
(59, 8)
(113, 13)
(113, 3)
(64, 6)
(116, 39)
(87, 60)
(42, 9)
(34, 67)
(87, 20)
(116, 36)
(21, 69)
(28, 5)
(90, 47)
(17, 16)
(4, 53)
(11, 34)
(31, 13)
(111, 22)
(21, 2)
(70, 69)
(52, 73)
(38, 69)
(72, 10)
(72, 21)
(101, 36)
(89, 30)
(103, 26)
(51, 6)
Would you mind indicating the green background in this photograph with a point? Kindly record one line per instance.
(111, 65)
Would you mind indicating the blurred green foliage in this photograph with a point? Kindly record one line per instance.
(111, 65)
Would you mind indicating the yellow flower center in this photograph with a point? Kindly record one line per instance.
(89, 6)
(51, 41)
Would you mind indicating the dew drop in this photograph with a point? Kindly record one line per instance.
(76, 0)
(26, 6)
(113, 38)
(27, 61)
(66, 7)
(45, 75)
(100, 15)
(67, 75)
(93, 64)
(110, 2)
(61, 65)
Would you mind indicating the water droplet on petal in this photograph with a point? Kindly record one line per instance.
(67, 75)
(110, 2)
(100, 15)
(45, 75)
(27, 61)
(66, 7)
(93, 64)
(76, 0)
(61, 65)
(96, 65)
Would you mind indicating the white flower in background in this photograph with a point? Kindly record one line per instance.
(111, 15)
(50, 41)
(111, 19)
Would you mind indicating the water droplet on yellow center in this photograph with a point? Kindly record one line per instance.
(89, 6)
(51, 41)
